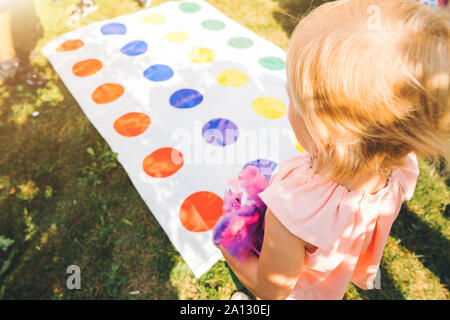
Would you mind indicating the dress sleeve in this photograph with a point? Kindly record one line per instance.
(404, 181)
(407, 175)
(310, 209)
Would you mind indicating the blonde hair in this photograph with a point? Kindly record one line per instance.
(374, 76)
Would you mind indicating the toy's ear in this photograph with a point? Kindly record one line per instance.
(234, 183)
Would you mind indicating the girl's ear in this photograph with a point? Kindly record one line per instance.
(320, 134)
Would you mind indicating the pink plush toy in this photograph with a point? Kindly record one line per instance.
(241, 229)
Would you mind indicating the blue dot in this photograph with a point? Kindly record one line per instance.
(265, 166)
(114, 28)
(134, 48)
(186, 98)
(220, 132)
(158, 72)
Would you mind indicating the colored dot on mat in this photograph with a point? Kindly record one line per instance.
(132, 124)
(202, 55)
(134, 48)
(297, 145)
(87, 67)
(272, 63)
(232, 78)
(269, 107)
(265, 166)
(107, 92)
(114, 28)
(214, 25)
(189, 7)
(186, 98)
(200, 211)
(240, 43)
(70, 45)
(154, 19)
(158, 72)
(163, 162)
(177, 36)
(220, 132)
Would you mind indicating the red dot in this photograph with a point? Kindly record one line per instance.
(87, 67)
(132, 124)
(200, 211)
(107, 92)
(70, 45)
(163, 162)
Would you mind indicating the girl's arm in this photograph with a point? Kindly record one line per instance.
(274, 274)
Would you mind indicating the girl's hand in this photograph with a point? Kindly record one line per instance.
(275, 273)
(281, 260)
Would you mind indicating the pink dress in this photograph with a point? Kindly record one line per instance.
(349, 228)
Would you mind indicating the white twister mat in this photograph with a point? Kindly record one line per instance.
(187, 97)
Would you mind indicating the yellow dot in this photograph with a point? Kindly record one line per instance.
(177, 36)
(154, 18)
(202, 55)
(269, 107)
(297, 145)
(232, 78)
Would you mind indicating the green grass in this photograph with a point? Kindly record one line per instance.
(65, 200)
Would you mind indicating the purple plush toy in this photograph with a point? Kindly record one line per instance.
(241, 228)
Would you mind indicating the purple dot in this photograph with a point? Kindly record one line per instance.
(186, 98)
(265, 166)
(114, 28)
(220, 132)
(158, 72)
(134, 48)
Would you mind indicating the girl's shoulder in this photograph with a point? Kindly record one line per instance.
(297, 171)
(318, 211)
(288, 166)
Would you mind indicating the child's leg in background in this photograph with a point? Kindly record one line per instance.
(6, 41)
(20, 30)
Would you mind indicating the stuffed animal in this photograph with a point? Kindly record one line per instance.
(241, 228)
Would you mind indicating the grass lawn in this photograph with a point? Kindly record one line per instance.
(64, 199)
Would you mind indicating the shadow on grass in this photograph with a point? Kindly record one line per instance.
(428, 244)
(293, 11)
(238, 284)
(388, 290)
(106, 229)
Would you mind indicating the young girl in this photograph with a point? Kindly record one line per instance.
(366, 96)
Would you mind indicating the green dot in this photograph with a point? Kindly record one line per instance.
(189, 7)
(213, 24)
(272, 63)
(241, 43)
